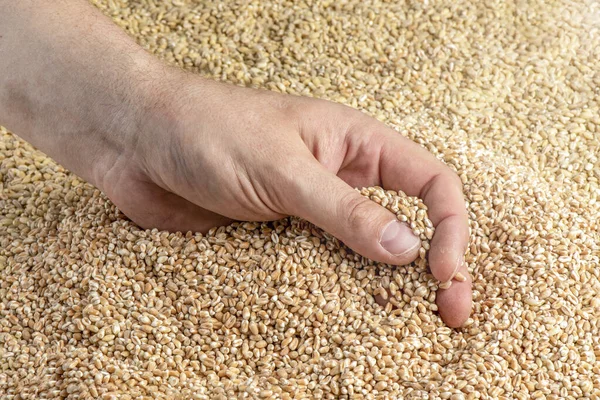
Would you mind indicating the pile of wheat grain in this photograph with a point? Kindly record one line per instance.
(506, 93)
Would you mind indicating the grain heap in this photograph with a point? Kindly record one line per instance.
(506, 93)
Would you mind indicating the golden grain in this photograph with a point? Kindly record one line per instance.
(460, 277)
(504, 93)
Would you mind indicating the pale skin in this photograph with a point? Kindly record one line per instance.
(177, 151)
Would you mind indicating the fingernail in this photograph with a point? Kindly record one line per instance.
(398, 238)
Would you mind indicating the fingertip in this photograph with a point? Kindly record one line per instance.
(447, 248)
(455, 303)
(445, 270)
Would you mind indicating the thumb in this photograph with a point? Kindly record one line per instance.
(363, 225)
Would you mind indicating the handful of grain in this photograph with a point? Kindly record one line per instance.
(412, 211)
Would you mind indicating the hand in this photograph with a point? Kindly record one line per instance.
(213, 153)
(178, 152)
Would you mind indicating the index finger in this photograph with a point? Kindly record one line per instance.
(407, 166)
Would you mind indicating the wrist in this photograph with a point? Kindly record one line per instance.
(73, 84)
(174, 112)
(125, 127)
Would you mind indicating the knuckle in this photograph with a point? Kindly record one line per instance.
(454, 178)
(357, 212)
(290, 181)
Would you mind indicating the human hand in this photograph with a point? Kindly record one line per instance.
(212, 153)
(179, 152)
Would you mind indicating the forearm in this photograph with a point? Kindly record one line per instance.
(71, 81)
